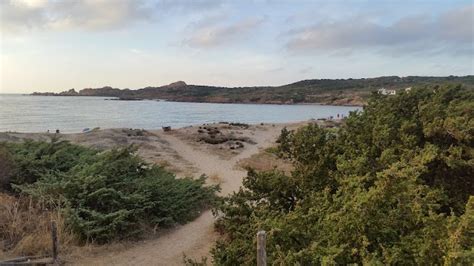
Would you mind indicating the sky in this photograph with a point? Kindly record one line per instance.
(57, 45)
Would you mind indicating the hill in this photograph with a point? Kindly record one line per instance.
(323, 91)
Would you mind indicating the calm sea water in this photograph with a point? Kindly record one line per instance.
(23, 113)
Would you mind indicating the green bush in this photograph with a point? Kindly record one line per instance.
(7, 168)
(393, 185)
(34, 159)
(106, 195)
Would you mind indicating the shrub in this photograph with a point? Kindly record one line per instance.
(7, 167)
(33, 159)
(393, 185)
(108, 195)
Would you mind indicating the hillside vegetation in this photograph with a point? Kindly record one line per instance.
(324, 91)
(393, 185)
(95, 196)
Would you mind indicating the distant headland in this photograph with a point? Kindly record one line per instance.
(352, 92)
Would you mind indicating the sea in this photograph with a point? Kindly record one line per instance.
(69, 114)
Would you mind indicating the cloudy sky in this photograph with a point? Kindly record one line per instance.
(61, 44)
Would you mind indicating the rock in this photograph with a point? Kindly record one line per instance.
(177, 84)
(242, 125)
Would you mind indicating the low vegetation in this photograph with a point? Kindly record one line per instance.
(25, 227)
(393, 185)
(95, 196)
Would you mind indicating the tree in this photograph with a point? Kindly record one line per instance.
(391, 186)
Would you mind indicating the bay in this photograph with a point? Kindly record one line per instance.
(25, 113)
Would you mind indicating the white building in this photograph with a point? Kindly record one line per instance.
(384, 91)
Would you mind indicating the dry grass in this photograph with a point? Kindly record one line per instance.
(167, 165)
(164, 163)
(25, 228)
(215, 178)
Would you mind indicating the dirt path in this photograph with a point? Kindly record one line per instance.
(197, 237)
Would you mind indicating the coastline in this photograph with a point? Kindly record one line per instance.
(116, 98)
(174, 129)
(337, 92)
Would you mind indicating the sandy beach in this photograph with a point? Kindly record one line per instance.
(216, 150)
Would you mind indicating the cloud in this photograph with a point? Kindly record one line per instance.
(98, 14)
(211, 33)
(186, 5)
(20, 16)
(458, 24)
(452, 31)
(16, 16)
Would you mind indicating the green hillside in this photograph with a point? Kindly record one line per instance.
(324, 91)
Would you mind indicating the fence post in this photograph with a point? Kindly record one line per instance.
(54, 237)
(261, 249)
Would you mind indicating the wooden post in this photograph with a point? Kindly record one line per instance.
(54, 237)
(261, 249)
